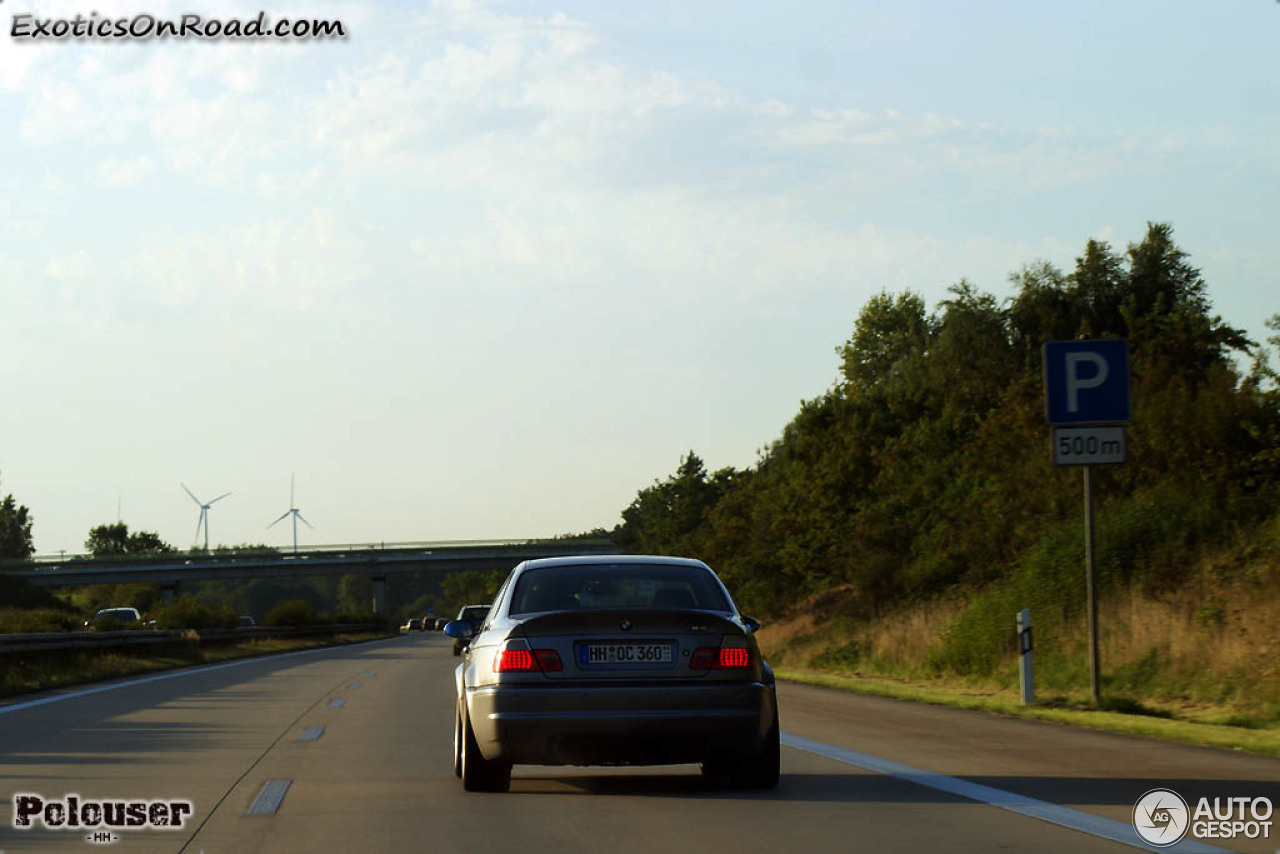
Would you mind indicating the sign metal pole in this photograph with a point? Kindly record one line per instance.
(1092, 590)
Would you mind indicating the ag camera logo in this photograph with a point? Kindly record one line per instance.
(1161, 818)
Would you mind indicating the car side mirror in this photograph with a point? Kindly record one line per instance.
(460, 630)
(752, 624)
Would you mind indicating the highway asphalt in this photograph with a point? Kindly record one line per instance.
(859, 773)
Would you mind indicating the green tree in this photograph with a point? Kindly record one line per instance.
(926, 466)
(15, 530)
(470, 587)
(114, 539)
(355, 593)
(891, 330)
(663, 517)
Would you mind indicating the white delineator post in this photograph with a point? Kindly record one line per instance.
(1026, 677)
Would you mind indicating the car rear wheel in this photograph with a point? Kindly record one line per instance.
(758, 769)
(457, 740)
(480, 774)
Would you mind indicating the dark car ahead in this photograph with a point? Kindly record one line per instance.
(114, 618)
(473, 614)
(614, 661)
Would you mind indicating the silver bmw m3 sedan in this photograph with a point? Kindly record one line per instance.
(618, 660)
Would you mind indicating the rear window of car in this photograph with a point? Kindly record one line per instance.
(124, 615)
(619, 585)
(475, 615)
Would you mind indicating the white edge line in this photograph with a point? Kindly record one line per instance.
(57, 698)
(1095, 825)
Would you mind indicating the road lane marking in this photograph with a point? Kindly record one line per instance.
(333, 704)
(57, 698)
(312, 733)
(269, 799)
(1095, 825)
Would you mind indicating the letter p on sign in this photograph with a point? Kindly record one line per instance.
(1075, 379)
(1086, 382)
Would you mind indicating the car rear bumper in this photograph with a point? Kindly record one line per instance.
(633, 725)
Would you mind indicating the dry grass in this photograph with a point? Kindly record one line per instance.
(895, 642)
(1226, 630)
(1002, 702)
(908, 634)
(1214, 643)
(1209, 653)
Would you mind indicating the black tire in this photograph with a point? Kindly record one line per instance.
(480, 774)
(759, 769)
(457, 740)
(762, 769)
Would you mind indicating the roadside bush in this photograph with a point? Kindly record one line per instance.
(19, 593)
(16, 620)
(292, 612)
(1144, 540)
(186, 612)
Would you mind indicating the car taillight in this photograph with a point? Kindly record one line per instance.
(514, 661)
(549, 659)
(734, 658)
(524, 661)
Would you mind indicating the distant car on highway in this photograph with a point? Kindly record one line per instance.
(413, 625)
(629, 660)
(247, 622)
(114, 618)
(473, 614)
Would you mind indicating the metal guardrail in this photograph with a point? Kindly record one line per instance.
(52, 641)
(285, 551)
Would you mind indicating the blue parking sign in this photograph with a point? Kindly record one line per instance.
(1086, 382)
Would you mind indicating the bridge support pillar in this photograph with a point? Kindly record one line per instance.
(169, 591)
(379, 595)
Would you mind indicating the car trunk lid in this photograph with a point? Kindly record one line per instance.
(632, 645)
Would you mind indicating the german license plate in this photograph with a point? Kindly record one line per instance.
(624, 653)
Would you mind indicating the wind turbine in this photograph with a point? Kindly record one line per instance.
(296, 514)
(203, 522)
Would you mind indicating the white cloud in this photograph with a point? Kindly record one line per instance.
(54, 184)
(68, 270)
(291, 264)
(125, 173)
(274, 186)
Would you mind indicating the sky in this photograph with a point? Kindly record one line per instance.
(486, 269)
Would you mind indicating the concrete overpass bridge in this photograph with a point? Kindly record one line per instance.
(377, 561)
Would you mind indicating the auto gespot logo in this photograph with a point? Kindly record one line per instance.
(1163, 818)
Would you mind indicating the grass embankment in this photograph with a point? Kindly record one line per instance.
(1199, 663)
(29, 672)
